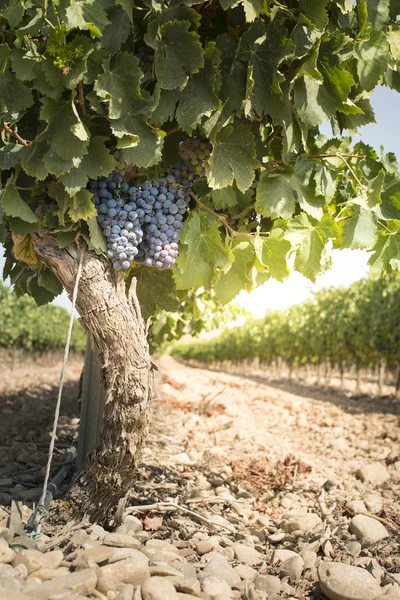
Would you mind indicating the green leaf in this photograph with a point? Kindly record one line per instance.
(14, 205)
(127, 5)
(57, 191)
(272, 253)
(25, 64)
(33, 162)
(234, 278)
(56, 165)
(252, 9)
(373, 58)
(96, 163)
(165, 101)
(325, 180)
(14, 14)
(224, 198)
(65, 131)
(233, 158)
(82, 206)
(386, 252)
(200, 96)
(264, 48)
(96, 236)
(10, 156)
(310, 237)
(315, 13)
(178, 54)
(201, 250)
(15, 97)
(360, 230)
(277, 194)
(65, 238)
(393, 36)
(155, 289)
(118, 31)
(20, 227)
(40, 294)
(119, 85)
(378, 13)
(47, 280)
(84, 14)
(147, 151)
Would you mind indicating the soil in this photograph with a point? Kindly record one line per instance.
(238, 450)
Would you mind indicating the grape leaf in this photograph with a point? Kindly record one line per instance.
(49, 281)
(178, 54)
(155, 289)
(57, 191)
(378, 13)
(252, 9)
(360, 230)
(33, 160)
(40, 294)
(233, 158)
(10, 155)
(97, 238)
(200, 252)
(117, 32)
(315, 13)
(373, 58)
(147, 151)
(65, 131)
(82, 206)
(272, 253)
(14, 205)
(95, 163)
(264, 48)
(309, 236)
(85, 15)
(224, 198)
(235, 276)
(386, 252)
(23, 249)
(15, 97)
(200, 96)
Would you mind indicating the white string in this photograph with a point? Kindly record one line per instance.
(60, 389)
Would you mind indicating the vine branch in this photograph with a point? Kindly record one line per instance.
(81, 99)
(318, 157)
(11, 131)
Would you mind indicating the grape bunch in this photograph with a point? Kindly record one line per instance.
(195, 152)
(142, 221)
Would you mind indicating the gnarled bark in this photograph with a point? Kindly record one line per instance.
(116, 327)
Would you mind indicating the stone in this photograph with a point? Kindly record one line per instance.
(81, 582)
(123, 571)
(133, 524)
(6, 554)
(9, 594)
(374, 473)
(32, 559)
(121, 540)
(339, 581)
(204, 547)
(246, 554)
(89, 557)
(268, 583)
(164, 570)
(214, 586)
(353, 548)
(126, 593)
(374, 503)
(245, 572)
(187, 582)
(123, 553)
(291, 563)
(368, 530)
(356, 506)
(158, 588)
(8, 579)
(219, 567)
(52, 560)
(298, 521)
(389, 596)
(47, 574)
(309, 557)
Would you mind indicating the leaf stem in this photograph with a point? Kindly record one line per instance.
(173, 130)
(81, 99)
(318, 157)
(343, 157)
(10, 131)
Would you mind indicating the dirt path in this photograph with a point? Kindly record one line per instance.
(266, 468)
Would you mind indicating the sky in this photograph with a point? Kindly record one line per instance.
(347, 265)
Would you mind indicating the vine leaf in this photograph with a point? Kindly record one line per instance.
(155, 289)
(85, 15)
(96, 236)
(82, 206)
(386, 252)
(360, 230)
(23, 249)
(233, 158)
(95, 163)
(179, 54)
(309, 236)
(235, 276)
(14, 205)
(57, 191)
(200, 252)
(272, 253)
(373, 58)
(65, 131)
(224, 198)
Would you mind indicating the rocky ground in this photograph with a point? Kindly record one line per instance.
(249, 488)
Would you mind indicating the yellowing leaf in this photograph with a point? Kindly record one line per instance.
(23, 249)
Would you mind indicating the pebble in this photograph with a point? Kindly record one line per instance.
(339, 581)
(214, 586)
(6, 554)
(309, 557)
(158, 588)
(204, 547)
(245, 572)
(121, 540)
(246, 554)
(291, 563)
(375, 473)
(268, 583)
(219, 567)
(356, 506)
(368, 530)
(126, 593)
(82, 582)
(353, 548)
(374, 503)
(124, 571)
(297, 521)
(133, 524)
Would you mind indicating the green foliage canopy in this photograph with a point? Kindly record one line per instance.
(256, 78)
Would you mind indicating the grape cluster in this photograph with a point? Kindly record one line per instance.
(65, 54)
(195, 152)
(142, 221)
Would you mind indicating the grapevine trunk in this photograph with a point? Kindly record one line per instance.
(116, 327)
